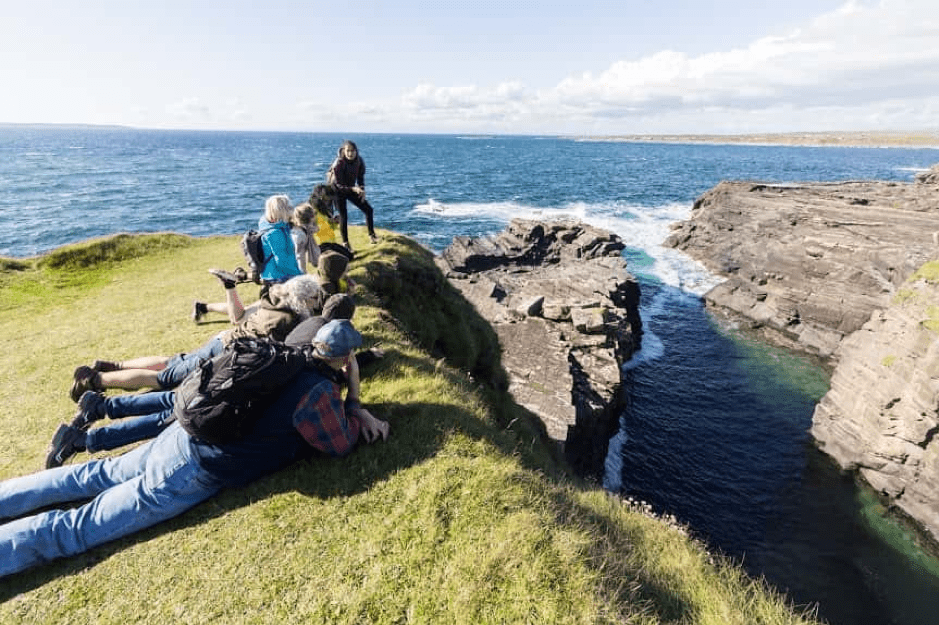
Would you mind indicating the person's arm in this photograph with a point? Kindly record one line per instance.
(360, 178)
(352, 378)
(371, 427)
(299, 247)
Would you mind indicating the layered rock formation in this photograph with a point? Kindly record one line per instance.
(809, 263)
(881, 415)
(566, 311)
(824, 268)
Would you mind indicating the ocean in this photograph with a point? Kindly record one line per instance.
(716, 426)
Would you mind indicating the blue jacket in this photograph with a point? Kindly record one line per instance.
(279, 252)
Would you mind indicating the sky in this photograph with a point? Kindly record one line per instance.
(587, 67)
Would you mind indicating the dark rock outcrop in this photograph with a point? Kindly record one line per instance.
(809, 263)
(566, 312)
(930, 176)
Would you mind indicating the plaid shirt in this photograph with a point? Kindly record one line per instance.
(321, 420)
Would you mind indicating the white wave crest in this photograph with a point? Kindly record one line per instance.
(642, 228)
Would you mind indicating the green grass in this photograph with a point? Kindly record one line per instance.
(465, 515)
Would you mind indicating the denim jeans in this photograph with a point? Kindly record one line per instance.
(179, 366)
(156, 408)
(152, 483)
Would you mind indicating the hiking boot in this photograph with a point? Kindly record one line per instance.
(227, 278)
(91, 408)
(373, 238)
(198, 309)
(86, 379)
(105, 365)
(66, 442)
(241, 275)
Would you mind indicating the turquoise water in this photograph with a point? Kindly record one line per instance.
(716, 428)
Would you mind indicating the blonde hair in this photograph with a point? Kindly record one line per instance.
(277, 208)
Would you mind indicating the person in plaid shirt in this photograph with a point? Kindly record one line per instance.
(175, 471)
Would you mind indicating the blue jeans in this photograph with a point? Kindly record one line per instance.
(179, 366)
(156, 408)
(152, 483)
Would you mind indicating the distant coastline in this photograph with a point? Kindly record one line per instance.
(851, 138)
(41, 126)
(868, 139)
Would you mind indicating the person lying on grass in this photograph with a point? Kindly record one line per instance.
(142, 416)
(175, 471)
(285, 305)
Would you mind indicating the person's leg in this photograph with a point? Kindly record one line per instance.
(144, 362)
(20, 495)
(129, 379)
(160, 480)
(127, 431)
(130, 405)
(181, 365)
(366, 208)
(94, 406)
(236, 310)
(343, 217)
(156, 408)
(233, 305)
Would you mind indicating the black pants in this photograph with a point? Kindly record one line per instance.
(362, 204)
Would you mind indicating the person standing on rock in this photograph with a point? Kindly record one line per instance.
(346, 176)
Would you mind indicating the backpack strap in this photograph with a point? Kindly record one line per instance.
(316, 364)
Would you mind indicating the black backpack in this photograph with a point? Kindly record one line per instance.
(254, 254)
(219, 401)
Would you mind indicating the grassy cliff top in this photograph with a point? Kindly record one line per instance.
(464, 515)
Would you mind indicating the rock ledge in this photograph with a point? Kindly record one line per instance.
(566, 312)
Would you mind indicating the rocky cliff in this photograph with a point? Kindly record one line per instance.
(881, 415)
(809, 263)
(846, 271)
(566, 312)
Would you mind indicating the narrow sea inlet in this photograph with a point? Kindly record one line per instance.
(716, 429)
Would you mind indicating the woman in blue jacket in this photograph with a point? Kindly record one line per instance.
(279, 253)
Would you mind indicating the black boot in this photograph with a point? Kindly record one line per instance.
(228, 279)
(66, 442)
(92, 407)
(198, 310)
(86, 379)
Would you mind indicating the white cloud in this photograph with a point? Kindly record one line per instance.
(863, 66)
(189, 110)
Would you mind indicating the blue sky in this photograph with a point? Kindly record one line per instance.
(502, 66)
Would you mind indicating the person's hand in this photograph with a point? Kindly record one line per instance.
(372, 427)
(360, 191)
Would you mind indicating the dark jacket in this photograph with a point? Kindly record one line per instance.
(345, 174)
